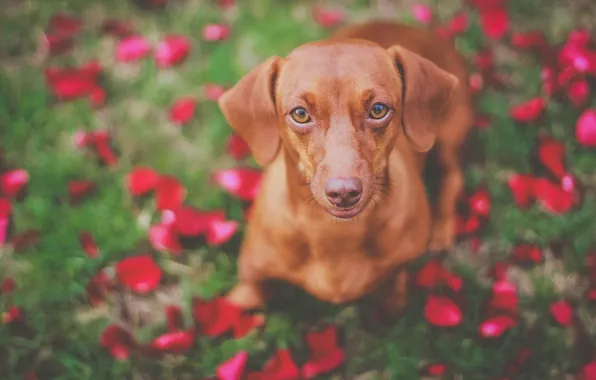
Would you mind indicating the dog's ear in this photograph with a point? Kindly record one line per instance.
(249, 108)
(426, 95)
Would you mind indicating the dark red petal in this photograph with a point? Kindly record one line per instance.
(480, 202)
(552, 197)
(585, 128)
(117, 28)
(7, 286)
(169, 193)
(237, 148)
(189, 221)
(280, 366)
(422, 13)
(73, 86)
(522, 188)
(562, 313)
(233, 368)
(589, 371)
(163, 237)
(327, 18)
(458, 23)
(25, 240)
(30, 375)
(551, 153)
(11, 315)
(246, 323)
(495, 327)
(183, 110)
(79, 189)
(64, 24)
(498, 272)
(88, 244)
(494, 23)
(215, 316)
(528, 111)
(98, 287)
(437, 369)
(484, 60)
(529, 40)
(504, 297)
(139, 273)
(476, 83)
(97, 97)
(132, 49)
(578, 93)
(53, 44)
(220, 231)
(177, 341)
(117, 341)
(4, 222)
(548, 75)
(174, 318)
(141, 180)
(527, 252)
(442, 312)
(242, 183)
(172, 50)
(213, 91)
(322, 341)
(429, 275)
(12, 182)
(215, 32)
(514, 363)
(320, 364)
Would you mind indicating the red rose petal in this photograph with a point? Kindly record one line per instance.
(495, 327)
(246, 323)
(141, 180)
(169, 193)
(88, 243)
(163, 237)
(562, 313)
(132, 49)
(220, 231)
(4, 222)
(242, 183)
(498, 272)
(53, 44)
(553, 198)
(215, 32)
(98, 287)
(325, 355)
(139, 273)
(578, 93)
(480, 202)
(528, 111)
(64, 24)
(12, 182)
(174, 318)
(101, 141)
(172, 50)
(327, 18)
(11, 315)
(527, 252)
(183, 110)
(233, 368)
(494, 23)
(216, 316)
(117, 28)
(422, 13)
(213, 91)
(79, 189)
(551, 153)
(437, 369)
(189, 221)
(476, 83)
(442, 312)
(458, 23)
(280, 366)
(118, 341)
(522, 188)
(177, 341)
(529, 40)
(589, 371)
(549, 80)
(237, 148)
(585, 128)
(504, 297)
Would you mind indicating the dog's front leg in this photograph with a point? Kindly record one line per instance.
(393, 298)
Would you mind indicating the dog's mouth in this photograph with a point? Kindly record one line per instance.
(345, 213)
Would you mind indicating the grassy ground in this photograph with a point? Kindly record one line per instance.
(58, 333)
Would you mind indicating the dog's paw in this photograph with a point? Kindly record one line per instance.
(246, 296)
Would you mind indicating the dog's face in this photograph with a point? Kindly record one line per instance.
(337, 109)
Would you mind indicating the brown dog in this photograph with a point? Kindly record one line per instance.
(342, 205)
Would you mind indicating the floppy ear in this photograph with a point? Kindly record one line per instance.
(426, 96)
(249, 108)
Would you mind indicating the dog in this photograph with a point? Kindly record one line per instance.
(343, 127)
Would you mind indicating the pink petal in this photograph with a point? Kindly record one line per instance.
(215, 32)
(422, 13)
(163, 237)
(88, 243)
(242, 183)
(13, 181)
(172, 50)
(528, 111)
(442, 312)
(4, 222)
(183, 110)
(504, 297)
(494, 23)
(495, 327)
(139, 273)
(578, 93)
(233, 368)
(530, 40)
(219, 231)
(585, 128)
(459, 23)
(327, 18)
(562, 313)
(480, 202)
(177, 341)
(132, 49)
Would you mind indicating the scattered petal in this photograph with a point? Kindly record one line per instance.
(220, 231)
(215, 32)
(325, 355)
(139, 273)
(141, 180)
(551, 153)
(437, 369)
(242, 183)
(495, 327)
(183, 110)
(233, 368)
(12, 182)
(494, 23)
(504, 297)
(189, 221)
(176, 341)
(585, 129)
(280, 366)
(132, 49)
(237, 148)
(327, 18)
(527, 253)
(578, 93)
(528, 111)
(169, 193)
(213, 91)
(216, 316)
(480, 202)
(529, 40)
(88, 244)
(7, 286)
(117, 28)
(553, 198)
(172, 50)
(163, 237)
(118, 341)
(13, 314)
(442, 312)
(174, 318)
(80, 189)
(98, 287)
(522, 189)
(64, 25)
(458, 23)
(562, 312)
(422, 13)
(246, 323)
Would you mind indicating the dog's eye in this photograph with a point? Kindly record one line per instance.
(378, 111)
(300, 115)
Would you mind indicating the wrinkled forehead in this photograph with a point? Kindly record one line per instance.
(338, 69)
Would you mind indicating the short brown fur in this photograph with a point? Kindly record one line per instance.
(296, 234)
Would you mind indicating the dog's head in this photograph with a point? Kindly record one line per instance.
(337, 108)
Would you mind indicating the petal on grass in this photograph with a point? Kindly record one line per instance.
(233, 368)
(215, 32)
(88, 243)
(220, 231)
(585, 128)
(495, 327)
(163, 237)
(237, 148)
(176, 341)
(169, 193)
(141, 180)
(442, 312)
(139, 273)
(132, 48)
(528, 111)
(172, 50)
(562, 312)
(183, 110)
(242, 183)
(13, 181)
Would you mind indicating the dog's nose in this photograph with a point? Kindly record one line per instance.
(343, 192)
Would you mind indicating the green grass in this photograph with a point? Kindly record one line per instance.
(59, 338)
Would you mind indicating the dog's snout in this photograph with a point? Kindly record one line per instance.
(343, 192)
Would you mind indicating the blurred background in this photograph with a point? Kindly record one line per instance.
(124, 196)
